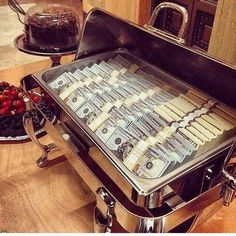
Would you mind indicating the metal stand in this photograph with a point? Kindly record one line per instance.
(20, 43)
(45, 149)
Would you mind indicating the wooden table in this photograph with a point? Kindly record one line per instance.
(55, 199)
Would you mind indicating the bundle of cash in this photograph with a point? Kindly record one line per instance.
(149, 125)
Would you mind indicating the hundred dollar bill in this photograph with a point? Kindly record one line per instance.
(60, 83)
(122, 91)
(107, 97)
(181, 146)
(88, 112)
(104, 103)
(132, 84)
(150, 78)
(121, 143)
(95, 69)
(78, 75)
(98, 70)
(76, 99)
(140, 108)
(91, 115)
(182, 140)
(106, 129)
(71, 77)
(130, 78)
(96, 88)
(191, 139)
(114, 93)
(158, 119)
(139, 80)
(165, 152)
(137, 110)
(159, 98)
(151, 165)
(122, 61)
(125, 111)
(175, 152)
(97, 100)
(130, 87)
(108, 69)
(148, 126)
(136, 131)
(116, 65)
(153, 102)
(155, 121)
(87, 72)
(121, 119)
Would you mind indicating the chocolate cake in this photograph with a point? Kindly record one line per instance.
(51, 28)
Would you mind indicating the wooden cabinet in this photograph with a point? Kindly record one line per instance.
(201, 18)
(222, 44)
(137, 11)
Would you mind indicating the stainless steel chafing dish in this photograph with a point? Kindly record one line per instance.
(174, 201)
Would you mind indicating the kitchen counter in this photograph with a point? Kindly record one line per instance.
(55, 199)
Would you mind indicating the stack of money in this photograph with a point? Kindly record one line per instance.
(151, 128)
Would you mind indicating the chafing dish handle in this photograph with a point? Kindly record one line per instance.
(29, 129)
(229, 187)
(176, 7)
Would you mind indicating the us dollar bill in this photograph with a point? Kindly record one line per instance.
(60, 83)
(76, 99)
(106, 129)
(121, 143)
(148, 126)
(136, 131)
(151, 165)
(122, 61)
(88, 112)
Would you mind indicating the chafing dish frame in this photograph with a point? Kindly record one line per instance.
(143, 220)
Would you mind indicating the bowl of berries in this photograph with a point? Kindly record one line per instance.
(12, 109)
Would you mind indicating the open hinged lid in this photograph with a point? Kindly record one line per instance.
(102, 35)
(103, 31)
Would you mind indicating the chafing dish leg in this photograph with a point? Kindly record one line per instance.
(229, 188)
(99, 221)
(28, 125)
(150, 226)
(104, 213)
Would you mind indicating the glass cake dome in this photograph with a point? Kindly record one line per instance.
(51, 28)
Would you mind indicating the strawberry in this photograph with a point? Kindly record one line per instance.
(14, 93)
(2, 97)
(6, 92)
(36, 98)
(18, 103)
(7, 103)
(4, 110)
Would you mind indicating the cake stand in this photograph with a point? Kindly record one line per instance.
(21, 44)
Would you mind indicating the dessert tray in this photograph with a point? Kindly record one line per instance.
(14, 106)
(21, 44)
